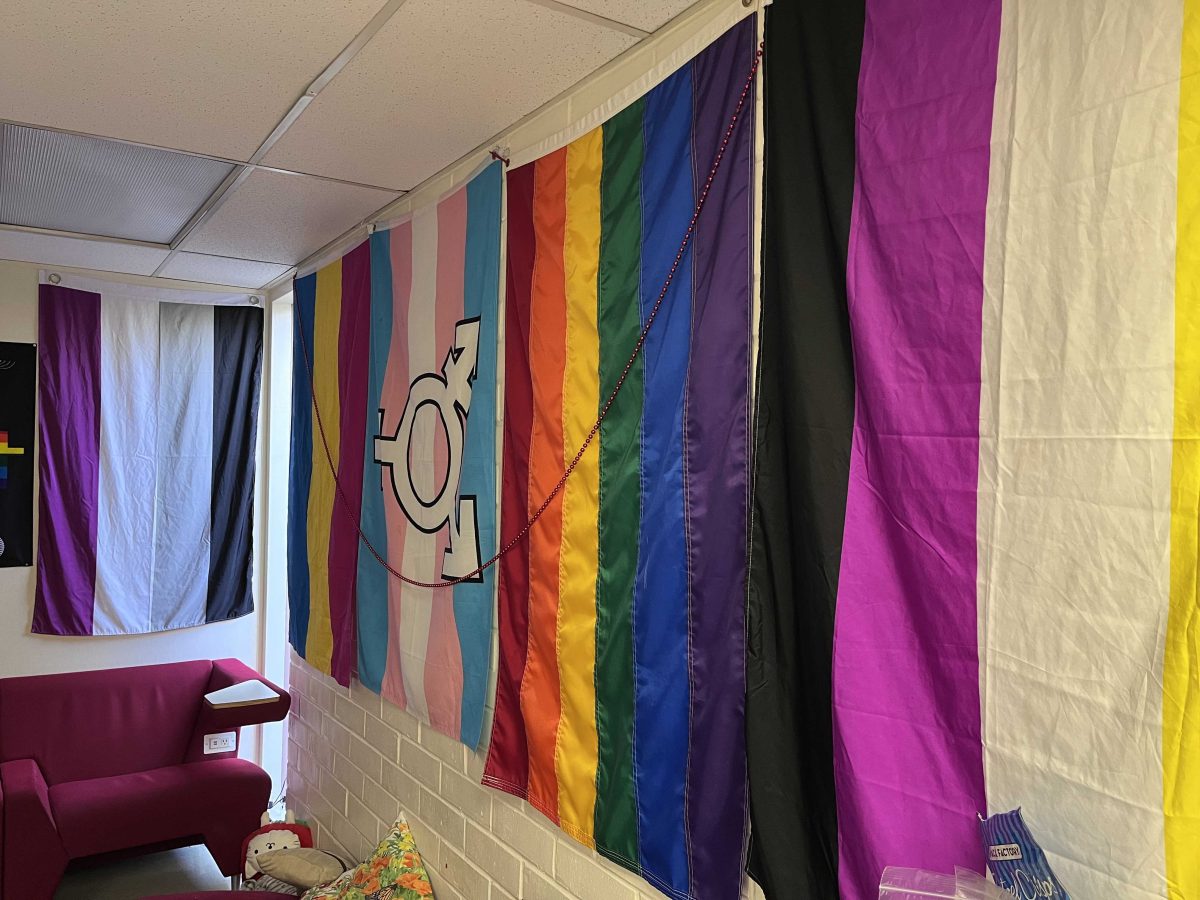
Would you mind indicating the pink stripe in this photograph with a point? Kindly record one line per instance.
(392, 398)
(443, 660)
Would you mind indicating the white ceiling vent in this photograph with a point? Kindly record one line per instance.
(89, 185)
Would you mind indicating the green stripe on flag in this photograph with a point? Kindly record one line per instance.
(620, 462)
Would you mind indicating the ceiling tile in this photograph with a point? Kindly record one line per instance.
(54, 250)
(439, 79)
(222, 270)
(212, 76)
(94, 186)
(647, 15)
(281, 218)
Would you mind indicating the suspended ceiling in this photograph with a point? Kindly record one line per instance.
(224, 141)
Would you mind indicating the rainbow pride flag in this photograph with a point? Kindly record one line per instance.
(974, 574)
(621, 675)
(401, 335)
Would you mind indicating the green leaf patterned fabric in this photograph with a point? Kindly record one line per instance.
(394, 872)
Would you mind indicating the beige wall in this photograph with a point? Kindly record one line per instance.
(355, 762)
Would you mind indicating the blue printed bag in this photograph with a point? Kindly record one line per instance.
(1016, 861)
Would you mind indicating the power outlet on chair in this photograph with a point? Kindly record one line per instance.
(225, 742)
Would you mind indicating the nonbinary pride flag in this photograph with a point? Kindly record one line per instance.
(1005, 591)
(621, 677)
(148, 418)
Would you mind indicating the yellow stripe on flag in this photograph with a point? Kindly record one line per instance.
(326, 324)
(577, 748)
(1181, 655)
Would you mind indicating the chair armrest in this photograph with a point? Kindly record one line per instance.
(227, 672)
(217, 720)
(31, 842)
(26, 793)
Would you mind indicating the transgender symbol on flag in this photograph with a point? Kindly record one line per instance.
(400, 337)
(450, 395)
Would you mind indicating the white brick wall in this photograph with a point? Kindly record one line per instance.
(354, 762)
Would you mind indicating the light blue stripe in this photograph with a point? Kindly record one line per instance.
(473, 601)
(372, 577)
(660, 611)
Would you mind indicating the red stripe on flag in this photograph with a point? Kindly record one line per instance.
(508, 754)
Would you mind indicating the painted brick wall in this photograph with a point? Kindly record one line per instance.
(354, 762)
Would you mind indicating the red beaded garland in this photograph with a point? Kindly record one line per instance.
(637, 349)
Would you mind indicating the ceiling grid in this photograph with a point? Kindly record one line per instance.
(220, 142)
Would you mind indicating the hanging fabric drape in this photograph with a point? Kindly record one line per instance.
(805, 414)
(398, 339)
(619, 707)
(1014, 596)
(148, 424)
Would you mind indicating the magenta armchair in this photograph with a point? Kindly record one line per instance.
(113, 763)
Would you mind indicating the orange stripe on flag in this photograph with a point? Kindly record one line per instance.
(547, 355)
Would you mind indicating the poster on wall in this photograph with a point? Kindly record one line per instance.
(18, 380)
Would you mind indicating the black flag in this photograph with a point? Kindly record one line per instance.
(803, 428)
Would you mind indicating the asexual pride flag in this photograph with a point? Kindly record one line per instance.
(148, 420)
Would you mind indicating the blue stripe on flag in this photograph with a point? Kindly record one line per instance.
(473, 601)
(305, 298)
(373, 578)
(661, 593)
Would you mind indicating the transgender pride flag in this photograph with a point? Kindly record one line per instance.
(401, 337)
(148, 420)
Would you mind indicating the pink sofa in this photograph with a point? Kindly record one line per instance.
(112, 763)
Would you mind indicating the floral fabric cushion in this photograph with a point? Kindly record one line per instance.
(394, 872)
